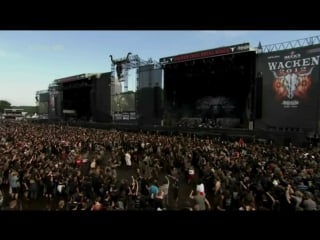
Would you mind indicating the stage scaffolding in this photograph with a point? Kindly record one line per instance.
(304, 42)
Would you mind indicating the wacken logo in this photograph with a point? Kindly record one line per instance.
(292, 55)
(120, 65)
(292, 77)
(292, 84)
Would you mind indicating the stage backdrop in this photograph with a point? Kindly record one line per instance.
(290, 87)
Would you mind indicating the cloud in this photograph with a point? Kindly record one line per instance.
(58, 47)
(10, 55)
(3, 53)
(47, 47)
(216, 37)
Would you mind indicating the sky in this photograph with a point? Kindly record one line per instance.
(31, 60)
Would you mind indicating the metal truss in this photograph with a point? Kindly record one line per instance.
(134, 61)
(128, 63)
(288, 45)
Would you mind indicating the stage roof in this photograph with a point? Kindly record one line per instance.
(77, 77)
(244, 47)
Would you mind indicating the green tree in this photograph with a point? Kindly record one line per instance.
(29, 109)
(4, 104)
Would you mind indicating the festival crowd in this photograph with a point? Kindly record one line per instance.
(73, 168)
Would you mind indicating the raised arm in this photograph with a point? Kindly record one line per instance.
(207, 202)
(137, 187)
(289, 191)
(191, 195)
(169, 176)
(168, 180)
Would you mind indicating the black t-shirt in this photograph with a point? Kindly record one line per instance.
(144, 189)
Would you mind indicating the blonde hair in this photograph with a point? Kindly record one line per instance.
(61, 203)
(299, 194)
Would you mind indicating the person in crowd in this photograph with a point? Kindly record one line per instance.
(201, 202)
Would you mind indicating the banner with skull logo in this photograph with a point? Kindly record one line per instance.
(290, 86)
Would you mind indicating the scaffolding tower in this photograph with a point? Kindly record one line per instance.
(304, 42)
(128, 63)
(124, 65)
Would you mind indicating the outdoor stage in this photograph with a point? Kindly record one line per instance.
(232, 91)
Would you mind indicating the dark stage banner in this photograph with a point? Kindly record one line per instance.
(206, 53)
(290, 87)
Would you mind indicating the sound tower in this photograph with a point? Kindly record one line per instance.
(101, 98)
(149, 95)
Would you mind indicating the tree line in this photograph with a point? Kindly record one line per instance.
(29, 109)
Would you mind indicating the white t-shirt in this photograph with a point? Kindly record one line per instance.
(191, 171)
(127, 157)
(200, 188)
(60, 188)
(93, 164)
